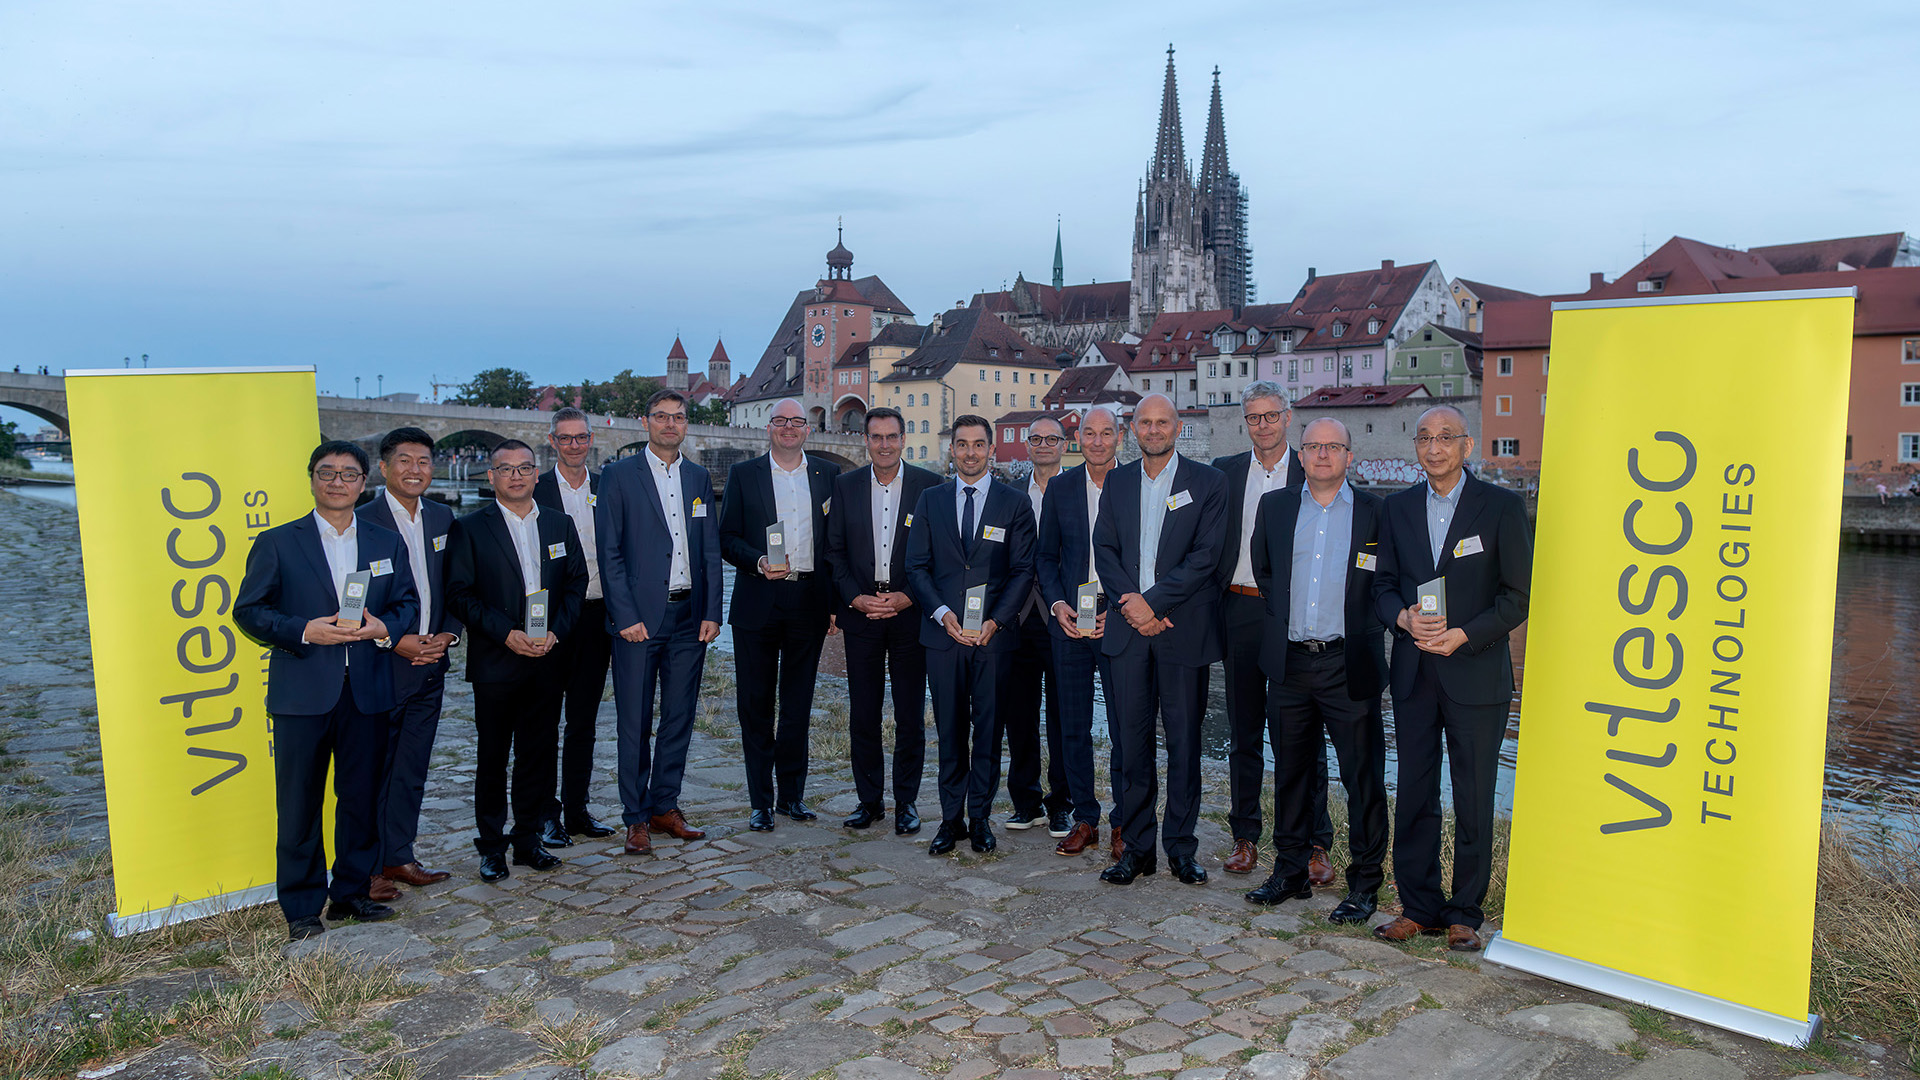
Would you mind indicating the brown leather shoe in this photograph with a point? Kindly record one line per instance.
(1319, 869)
(673, 823)
(1116, 847)
(414, 874)
(1401, 929)
(379, 888)
(1244, 858)
(638, 842)
(1462, 938)
(1083, 837)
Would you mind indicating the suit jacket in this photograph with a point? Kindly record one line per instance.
(744, 518)
(940, 568)
(546, 490)
(1272, 557)
(1487, 590)
(1235, 467)
(287, 584)
(1191, 540)
(1060, 553)
(485, 589)
(850, 541)
(436, 521)
(636, 550)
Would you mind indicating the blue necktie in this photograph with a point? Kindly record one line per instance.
(966, 524)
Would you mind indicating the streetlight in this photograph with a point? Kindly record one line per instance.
(356, 386)
(383, 385)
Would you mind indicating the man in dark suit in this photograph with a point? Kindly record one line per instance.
(1315, 552)
(970, 532)
(660, 570)
(419, 653)
(329, 686)
(568, 488)
(1452, 673)
(781, 614)
(1163, 522)
(1269, 466)
(867, 552)
(497, 558)
(1030, 695)
(1063, 562)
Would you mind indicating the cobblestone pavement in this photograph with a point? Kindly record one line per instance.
(818, 951)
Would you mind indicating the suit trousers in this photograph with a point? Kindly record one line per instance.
(354, 744)
(1248, 689)
(1029, 673)
(876, 650)
(1153, 689)
(784, 653)
(670, 662)
(1304, 710)
(1472, 735)
(583, 656)
(411, 729)
(1075, 663)
(964, 682)
(521, 720)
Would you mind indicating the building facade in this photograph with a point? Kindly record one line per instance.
(1444, 359)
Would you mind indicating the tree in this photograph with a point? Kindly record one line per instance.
(498, 388)
(8, 434)
(713, 412)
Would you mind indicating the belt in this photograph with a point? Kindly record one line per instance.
(882, 586)
(1318, 646)
(675, 596)
(1244, 590)
(796, 575)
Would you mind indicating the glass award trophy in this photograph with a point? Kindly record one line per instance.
(537, 614)
(1433, 597)
(776, 546)
(1087, 608)
(353, 599)
(976, 610)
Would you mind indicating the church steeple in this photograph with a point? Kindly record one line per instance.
(1213, 157)
(839, 260)
(1169, 149)
(1059, 267)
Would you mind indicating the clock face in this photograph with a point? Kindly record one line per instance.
(819, 335)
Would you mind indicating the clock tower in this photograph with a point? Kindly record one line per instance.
(837, 317)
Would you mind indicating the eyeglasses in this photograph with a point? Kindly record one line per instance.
(582, 439)
(1045, 440)
(1261, 419)
(1445, 441)
(788, 421)
(515, 471)
(1322, 447)
(328, 475)
(667, 417)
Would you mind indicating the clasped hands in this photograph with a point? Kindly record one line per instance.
(951, 623)
(1139, 615)
(325, 630)
(882, 605)
(1070, 623)
(1431, 632)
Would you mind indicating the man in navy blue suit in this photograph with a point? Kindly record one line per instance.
(1161, 529)
(329, 686)
(659, 546)
(419, 653)
(969, 532)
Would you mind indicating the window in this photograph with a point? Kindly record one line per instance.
(1503, 366)
(1506, 448)
(1543, 363)
(1413, 362)
(983, 374)
(1210, 397)
(923, 425)
(1366, 361)
(1373, 326)
(1227, 397)
(1032, 401)
(1213, 371)
(1339, 329)
(1293, 370)
(1909, 446)
(1006, 435)
(1046, 379)
(976, 400)
(1910, 351)
(1243, 369)
(1169, 386)
(1543, 404)
(1910, 393)
(923, 450)
(1328, 366)
(1503, 405)
(996, 399)
(991, 351)
(1446, 389)
(923, 401)
(1019, 354)
(1446, 358)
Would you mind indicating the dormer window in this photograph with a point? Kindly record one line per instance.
(1653, 284)
(1339, 329)
(993, 352)
(1373, 326)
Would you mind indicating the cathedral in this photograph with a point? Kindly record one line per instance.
(1190, 248)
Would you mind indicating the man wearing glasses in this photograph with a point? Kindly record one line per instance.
(660, 571)
(568, 488)
(329, 686)
(1031, 671)
(1452, 673)
(781, 611)
(867, 552)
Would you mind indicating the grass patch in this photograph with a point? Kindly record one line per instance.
(1652, 1023)
(1866, 927)
(574, 1042)
(669, 1015)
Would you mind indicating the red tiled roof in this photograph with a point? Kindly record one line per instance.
(1079, 385)
(676, 353)
(1028, 416)
(1517, 324)
(1117, 353)
(719, 354)
(1818, 256)
(1099, 301)
(1387, 286)
(1343, 397)
(969, 334)
(1490, 293)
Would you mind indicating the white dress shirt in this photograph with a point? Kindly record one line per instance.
(578, 503)
(1154, 493)
(413, 530)
(666, 486)
(1093, 517)
(793, 505)
(525, 532)
(1260, 480)
(885, 503)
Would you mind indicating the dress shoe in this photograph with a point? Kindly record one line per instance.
(638, 842)
(796, 810)
(981, 835)
(1358, 907)
(359, 907)
(1401, 929)
(302, 929)
(1244, 858)
(1082, 838)
(906, 820)
(1186, 871)
(379, 888)
(761, 820)
(865, 815)
(1279, 888)
(585, 824)
(1059, 823)
(494, 867)
(414, 874)
(535, 858)
(1116, 847)
(1319, 869)
(674, 823)
(1129, 866)
(947, 838)
(1462, 938)
(552, 835)
(1024, 819)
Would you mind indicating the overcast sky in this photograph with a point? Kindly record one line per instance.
(420, 190)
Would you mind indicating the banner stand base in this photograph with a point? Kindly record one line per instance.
(184, 911)
(1693, 1005)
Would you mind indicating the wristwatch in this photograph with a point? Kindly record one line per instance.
(385, 642)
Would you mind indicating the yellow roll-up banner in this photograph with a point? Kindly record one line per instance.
(175, 472)
(1666, 820)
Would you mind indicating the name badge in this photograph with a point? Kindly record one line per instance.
(909, 521)
(1471, 545)
(440, 542)
(699, 508)
(592, 499)
(1365, 561)
(827, 507)
(380, 567)
(557, 551)
(994, 533)
(1179, 500)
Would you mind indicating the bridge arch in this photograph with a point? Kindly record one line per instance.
(828, 455)
(38, 409)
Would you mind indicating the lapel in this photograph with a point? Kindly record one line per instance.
(1362, 526)
(763, 481)
(691, 489)
(651, 489)
(1126, 503)
(497, 525)
(1166, 535)
(308, 538)
(1280, 531)
(945, 525)
(1463, 517)
(1239, 467)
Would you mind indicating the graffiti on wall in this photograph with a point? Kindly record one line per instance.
(1389, 471)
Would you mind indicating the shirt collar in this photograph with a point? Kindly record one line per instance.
(979, 486)
(327, 529)
(1451, 497)
(795, 471)
(399, 509)
(663, 466)
(1344, 495)
(586, 482)
(513, 518)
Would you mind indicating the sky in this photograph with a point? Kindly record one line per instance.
(405, 193)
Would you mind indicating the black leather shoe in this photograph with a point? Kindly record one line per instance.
(1130, 865)
(981, 836)
(588, 825)
(906, 820)
(1358, 907)
(302, 929)
(796, 810)
(1059, 823)
(760, 820)
(947, 838)
(494, 867)
(535, 858)
(1186, 871)
(1278, 889)
(866, 815)
(552, 835)
(361, 908)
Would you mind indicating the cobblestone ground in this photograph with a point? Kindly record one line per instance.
(815, 951)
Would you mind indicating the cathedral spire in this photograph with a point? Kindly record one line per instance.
(1059, 267)
(1169, 150)
(1213, 157)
